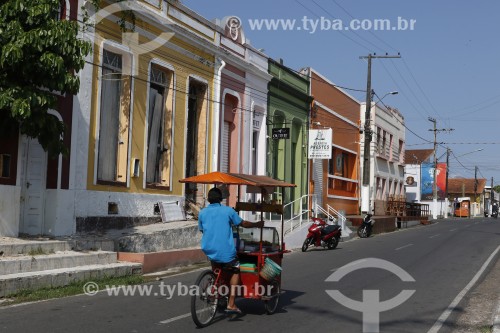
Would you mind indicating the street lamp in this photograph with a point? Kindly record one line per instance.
(474, 151)
(389, 93)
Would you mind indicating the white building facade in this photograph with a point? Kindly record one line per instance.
(387, 150)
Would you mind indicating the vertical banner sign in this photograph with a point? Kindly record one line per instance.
(427, 181)
(441, 180)
(320, 144)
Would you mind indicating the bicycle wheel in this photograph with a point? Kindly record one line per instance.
(204, 303)
(274, 292)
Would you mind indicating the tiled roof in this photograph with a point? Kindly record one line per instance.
(465, 185)
(418, 156)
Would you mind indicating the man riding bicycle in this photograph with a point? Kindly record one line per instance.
(215, 222)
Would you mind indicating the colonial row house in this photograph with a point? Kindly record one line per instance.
(187, 99)
(240, 117)
(176, 95)
(30, 181)
(289, 104)
(335, 180)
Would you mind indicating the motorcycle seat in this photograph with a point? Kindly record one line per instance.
(329, 229)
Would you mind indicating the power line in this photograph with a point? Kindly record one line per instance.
(263, 98)
(371, 32)
(403, 124)
(341, 32)
(354, 32)
(419, 87)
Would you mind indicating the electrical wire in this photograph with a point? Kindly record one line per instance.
(371, 32)
(402, 123)
(234, 82)
(341, 32)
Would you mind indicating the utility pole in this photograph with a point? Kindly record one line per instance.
(492, 197)
(475, 184)
(434, 185)
(365, 191)
(434, 181)
(446, 184)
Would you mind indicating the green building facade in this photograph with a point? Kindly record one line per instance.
(287, 124)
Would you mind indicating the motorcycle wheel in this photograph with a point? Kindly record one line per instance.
(362, 232)
(334, 241)
(306, 244)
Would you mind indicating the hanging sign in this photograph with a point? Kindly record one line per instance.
(320, 144)
(281, 133)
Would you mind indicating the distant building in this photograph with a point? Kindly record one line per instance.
(414, 158)
(468, 187)
(419, 171)
(386, 156)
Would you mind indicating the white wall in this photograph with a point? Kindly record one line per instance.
(10, 202)
(59, 217)
(413, 191)
(95, 203)
(62, 207)
(382, 167)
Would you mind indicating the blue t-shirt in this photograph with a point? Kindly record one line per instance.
(216, 221)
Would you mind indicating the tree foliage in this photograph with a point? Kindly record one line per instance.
(39, 56)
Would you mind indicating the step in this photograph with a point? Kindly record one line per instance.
(25, 247)
(12, 283)
(156, 239)
(67, 259)
(89, 244)
(158, 261)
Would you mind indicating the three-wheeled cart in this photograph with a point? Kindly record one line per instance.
(260, 251)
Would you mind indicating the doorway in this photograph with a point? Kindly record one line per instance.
(33, 184)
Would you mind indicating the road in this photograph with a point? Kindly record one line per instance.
(442, 259)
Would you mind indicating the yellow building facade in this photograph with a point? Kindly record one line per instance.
(150, 110)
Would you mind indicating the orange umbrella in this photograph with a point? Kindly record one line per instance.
(216, 178)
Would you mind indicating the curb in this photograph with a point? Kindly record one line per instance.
(496, 319)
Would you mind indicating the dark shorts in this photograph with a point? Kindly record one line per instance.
(232, 266)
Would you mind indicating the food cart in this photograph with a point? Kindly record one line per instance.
(260, 250)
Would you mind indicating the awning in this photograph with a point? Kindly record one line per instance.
(216, 178)
(236, 179)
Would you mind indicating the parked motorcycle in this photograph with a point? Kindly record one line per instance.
(365, 230)
(494, 210)
(322, 234)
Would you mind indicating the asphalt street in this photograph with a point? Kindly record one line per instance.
(436, 266)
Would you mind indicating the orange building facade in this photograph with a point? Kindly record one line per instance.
(335, 181)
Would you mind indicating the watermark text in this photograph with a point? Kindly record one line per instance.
(314, 25)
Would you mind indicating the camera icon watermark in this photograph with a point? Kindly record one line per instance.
(131, 39)
(370, 306)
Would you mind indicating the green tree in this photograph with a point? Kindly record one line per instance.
(39, 55)
(496, 188)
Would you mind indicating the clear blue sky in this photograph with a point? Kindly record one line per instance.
(449, 68)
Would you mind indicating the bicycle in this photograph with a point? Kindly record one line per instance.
(213, 290)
